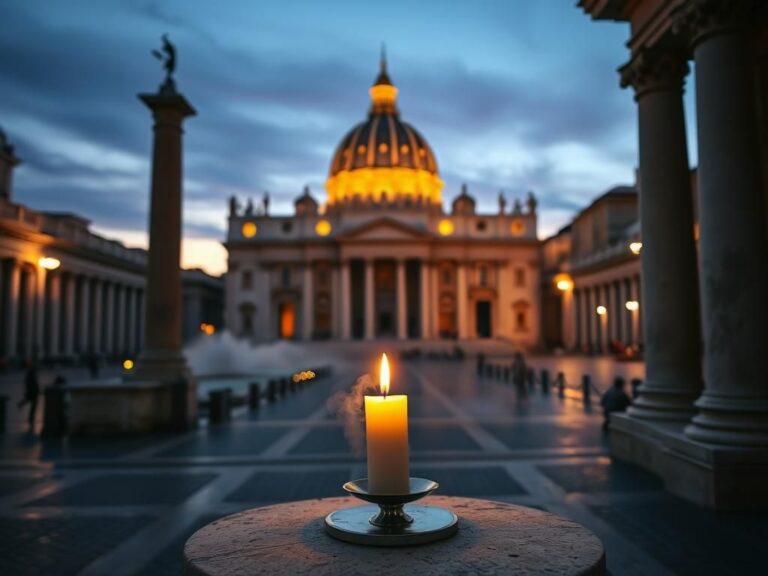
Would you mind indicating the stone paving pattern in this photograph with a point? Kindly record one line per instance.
(126, 506)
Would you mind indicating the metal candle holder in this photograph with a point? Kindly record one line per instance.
(386, 522)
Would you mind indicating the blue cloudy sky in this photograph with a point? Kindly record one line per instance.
(512, 95)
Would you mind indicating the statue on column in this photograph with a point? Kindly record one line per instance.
(517, 208)
(234, 206)
(532, 202)
(502, 202)
(249, 207)
(265, 203)
(167, 55)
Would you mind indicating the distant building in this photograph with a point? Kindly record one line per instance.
(381, 258)
(203, 303)
(65, 292)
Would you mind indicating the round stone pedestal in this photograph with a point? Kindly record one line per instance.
(493, 537)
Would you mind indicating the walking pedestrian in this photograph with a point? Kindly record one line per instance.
(31, 392)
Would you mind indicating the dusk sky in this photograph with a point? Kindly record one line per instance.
(512, 95)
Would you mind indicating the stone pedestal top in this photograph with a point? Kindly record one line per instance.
(493, 538)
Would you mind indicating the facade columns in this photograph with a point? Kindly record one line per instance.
(54, 309)
(424, 300)
(119, 326)
(335, 302)
(84, 313)
(369, 304)
(12, 310)
(734, 406)
(434, 301)
(345, 305)
(69, 286)
(402, 301)
(130, 344)
(96, 302)
(109, 318)
(568, 319)
(669, 274)
(40, 303)
(461, 304)
(307, 301)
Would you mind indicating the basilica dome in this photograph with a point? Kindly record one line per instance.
(384, 159)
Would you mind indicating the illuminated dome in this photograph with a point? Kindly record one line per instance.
(384, 158)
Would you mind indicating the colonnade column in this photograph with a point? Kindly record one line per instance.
(84, 313)
(96, 312)
(461, 305)
(119, 319)
(335, 302)
(69, 286)
(424, 300)
(54, 308)
(29, 313)
(307, 293)
(568, 319)
(369, 293)
(402, 304)
(734, 406)
(434, 291)
(12, 310)
(109, 317)
(346, 302)
(668, 260)
(130, 344)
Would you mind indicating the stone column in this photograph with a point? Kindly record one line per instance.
(120, 319)
(461, 297)
(68, 345)
(131, 321)
(12, 307)
(424, 300)
(402, 302)
(591, 317)
(85, 315)
(96, 302)
(369, 303)
(41, 298)
(54, 308)
(109, 318)
(30, 297)
(335, 302)
(434, 291)
(162, 358)
(669, 275)
(733, 245)
(307, 300)
(568, 319)
(346, 302)
(602, 319)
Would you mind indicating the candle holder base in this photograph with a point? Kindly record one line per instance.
(387, 521)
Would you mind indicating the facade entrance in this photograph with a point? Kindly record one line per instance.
(286, 320)
(483, 319)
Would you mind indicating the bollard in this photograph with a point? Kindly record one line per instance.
(560, 384)
(283, 386)
(3, 405)
(54, 412)
(254, 396)
(271, 391)
(489, 370)
(545, 381)
(506, 374)
(586, 388)
(636, 382)
(218, 406)
(480, 363)
(291, 385)
(531, 378)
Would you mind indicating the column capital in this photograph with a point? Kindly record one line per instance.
(702, 19)
(654, 69)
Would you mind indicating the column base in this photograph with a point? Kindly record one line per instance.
(663, 403)
(165, 365)
(730, 421)
(716, 476)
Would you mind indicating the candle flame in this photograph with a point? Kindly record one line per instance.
(384, 375)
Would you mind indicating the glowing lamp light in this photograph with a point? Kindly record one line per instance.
(635, 247)
(632, 305)
(127, 364)
(384, 375)
(601, 310)
(207, 329)
(249, 229)
(563, 282)
(517, 228)
(323, 227)
(49, 263)
(445, 227)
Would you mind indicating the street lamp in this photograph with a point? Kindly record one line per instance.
(601, 310)
(563, 282)
(635, 247)
(632, 305)
(49, 263)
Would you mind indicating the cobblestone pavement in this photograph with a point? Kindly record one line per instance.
(125, 507)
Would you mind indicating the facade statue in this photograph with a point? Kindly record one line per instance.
(502, 202)
(249, 207)
(265, 203)
(532, 202)
(234, 206)
(517, 208)
(167, 55)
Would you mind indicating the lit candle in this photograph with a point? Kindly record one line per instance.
(386, 429)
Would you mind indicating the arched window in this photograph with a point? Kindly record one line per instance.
(521, 310)
(247, 314)
(519, 277)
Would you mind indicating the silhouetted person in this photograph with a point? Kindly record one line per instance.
(614, 400)
(31, 392)
(519, 371)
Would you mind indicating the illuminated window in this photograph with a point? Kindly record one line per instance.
(519, 277)
(383, 147)
(249, 229)
(404, 149)
(323, 228)
(422, 152)
(287, 314)
(246, 282)
(445, 227)
(520, 309)
(517, 227)
(361, 149)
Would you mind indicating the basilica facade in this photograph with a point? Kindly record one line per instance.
(381, 257)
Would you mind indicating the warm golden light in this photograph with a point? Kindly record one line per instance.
(249, 229)
(366, 184)
(207, 329)
(49, 263)
(563, 282)
(635, 247)
(384, 375)
(601, 310)
(323, 228)
(517, 227)
(445, 227)
(128, 364)
(632, 305)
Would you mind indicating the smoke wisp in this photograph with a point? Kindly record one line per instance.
(349, 407)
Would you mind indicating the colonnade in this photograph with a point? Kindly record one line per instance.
(61, 313)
